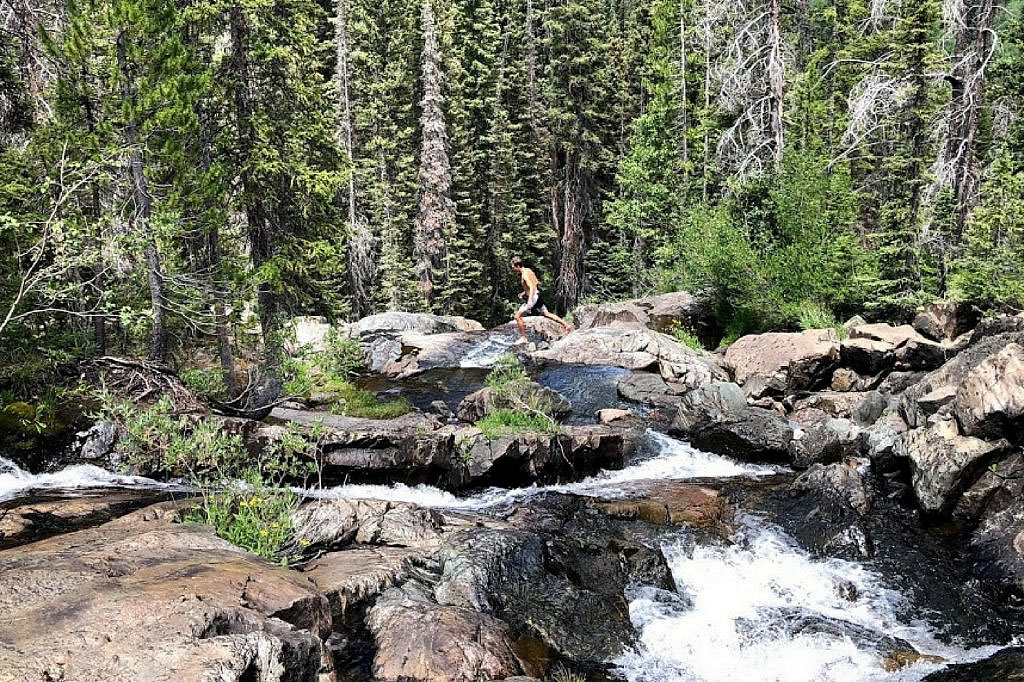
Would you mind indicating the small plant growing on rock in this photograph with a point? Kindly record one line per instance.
(528, 411)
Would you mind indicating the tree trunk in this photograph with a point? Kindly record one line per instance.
(261, 248)
(142, 214)
(573, 208)
(360, 239)
(436, 220)
(684, 122)
(776, 77)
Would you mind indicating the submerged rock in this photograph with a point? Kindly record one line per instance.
(1003, 666)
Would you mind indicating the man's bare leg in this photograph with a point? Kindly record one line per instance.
(556, 318)
(522, 327)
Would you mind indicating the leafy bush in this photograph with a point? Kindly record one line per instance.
(209, 383)
(511, 385)
(242, 496)
(813, 315)
(685, 336)
(342, 356)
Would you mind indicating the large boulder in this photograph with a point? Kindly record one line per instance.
(863, 407)
(308, 334)
(143, 598)
(649, 389)
(636, 349)
(779, 362)
(943, 462)
(946, 320)
(626, 315)
(422, 323)
(842, 481)
(831, 440)
(717, 419)
(418, 640)
(477, 404)
(881, 346)
(952, 374)
(990, 401)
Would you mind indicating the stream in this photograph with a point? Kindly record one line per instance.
(739, 606)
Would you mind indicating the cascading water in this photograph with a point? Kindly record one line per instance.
(15, 481)
(733, 617)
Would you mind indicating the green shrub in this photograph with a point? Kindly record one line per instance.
(342, 356)
(208, 383)
(244, 497)
(527, 411)
(685, 336)
(811, 315)
(356, 402)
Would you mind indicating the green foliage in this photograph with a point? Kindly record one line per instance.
(503, 422)
(208, 383)
(527, 411)
(341, 357)
(242, 496)
(356, 402)
(685, 336)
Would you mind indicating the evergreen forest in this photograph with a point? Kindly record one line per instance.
(180, 173)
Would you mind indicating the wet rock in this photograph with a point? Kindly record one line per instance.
(990, 401)
(831, 440)
(783, 362)
(97, 442)
(617, 315)
(1002, 666)
(943, 462)
(995, 485)
(952, 374)
(800, 622)
(23, 521)
(946, 320)
(144, 598)
(997, 539)
(421, 641)
(476, 405)
(843, 481)
(717, 419)
(671, 503)
(636, 349)
(862, 407)
(649, 389)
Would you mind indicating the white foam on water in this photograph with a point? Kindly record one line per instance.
(673, 460)
(487, 351)
(15, 481)
(765, 569)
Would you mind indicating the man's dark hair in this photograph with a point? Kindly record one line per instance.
(516, 260)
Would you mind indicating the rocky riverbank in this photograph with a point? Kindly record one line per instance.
(896, 448)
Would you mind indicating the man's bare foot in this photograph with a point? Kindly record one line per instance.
(522, 340)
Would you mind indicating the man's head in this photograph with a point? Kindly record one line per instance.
(516, 263)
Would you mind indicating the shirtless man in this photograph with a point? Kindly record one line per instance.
(534, 304)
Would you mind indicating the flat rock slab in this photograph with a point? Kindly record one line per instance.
(143, 598)
(22, 522)
(781, 362)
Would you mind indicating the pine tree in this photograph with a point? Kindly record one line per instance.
(436, 222)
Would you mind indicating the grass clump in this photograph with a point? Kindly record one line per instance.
(353, 401)
(515, 405)
(502, 422)
(813, 315)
